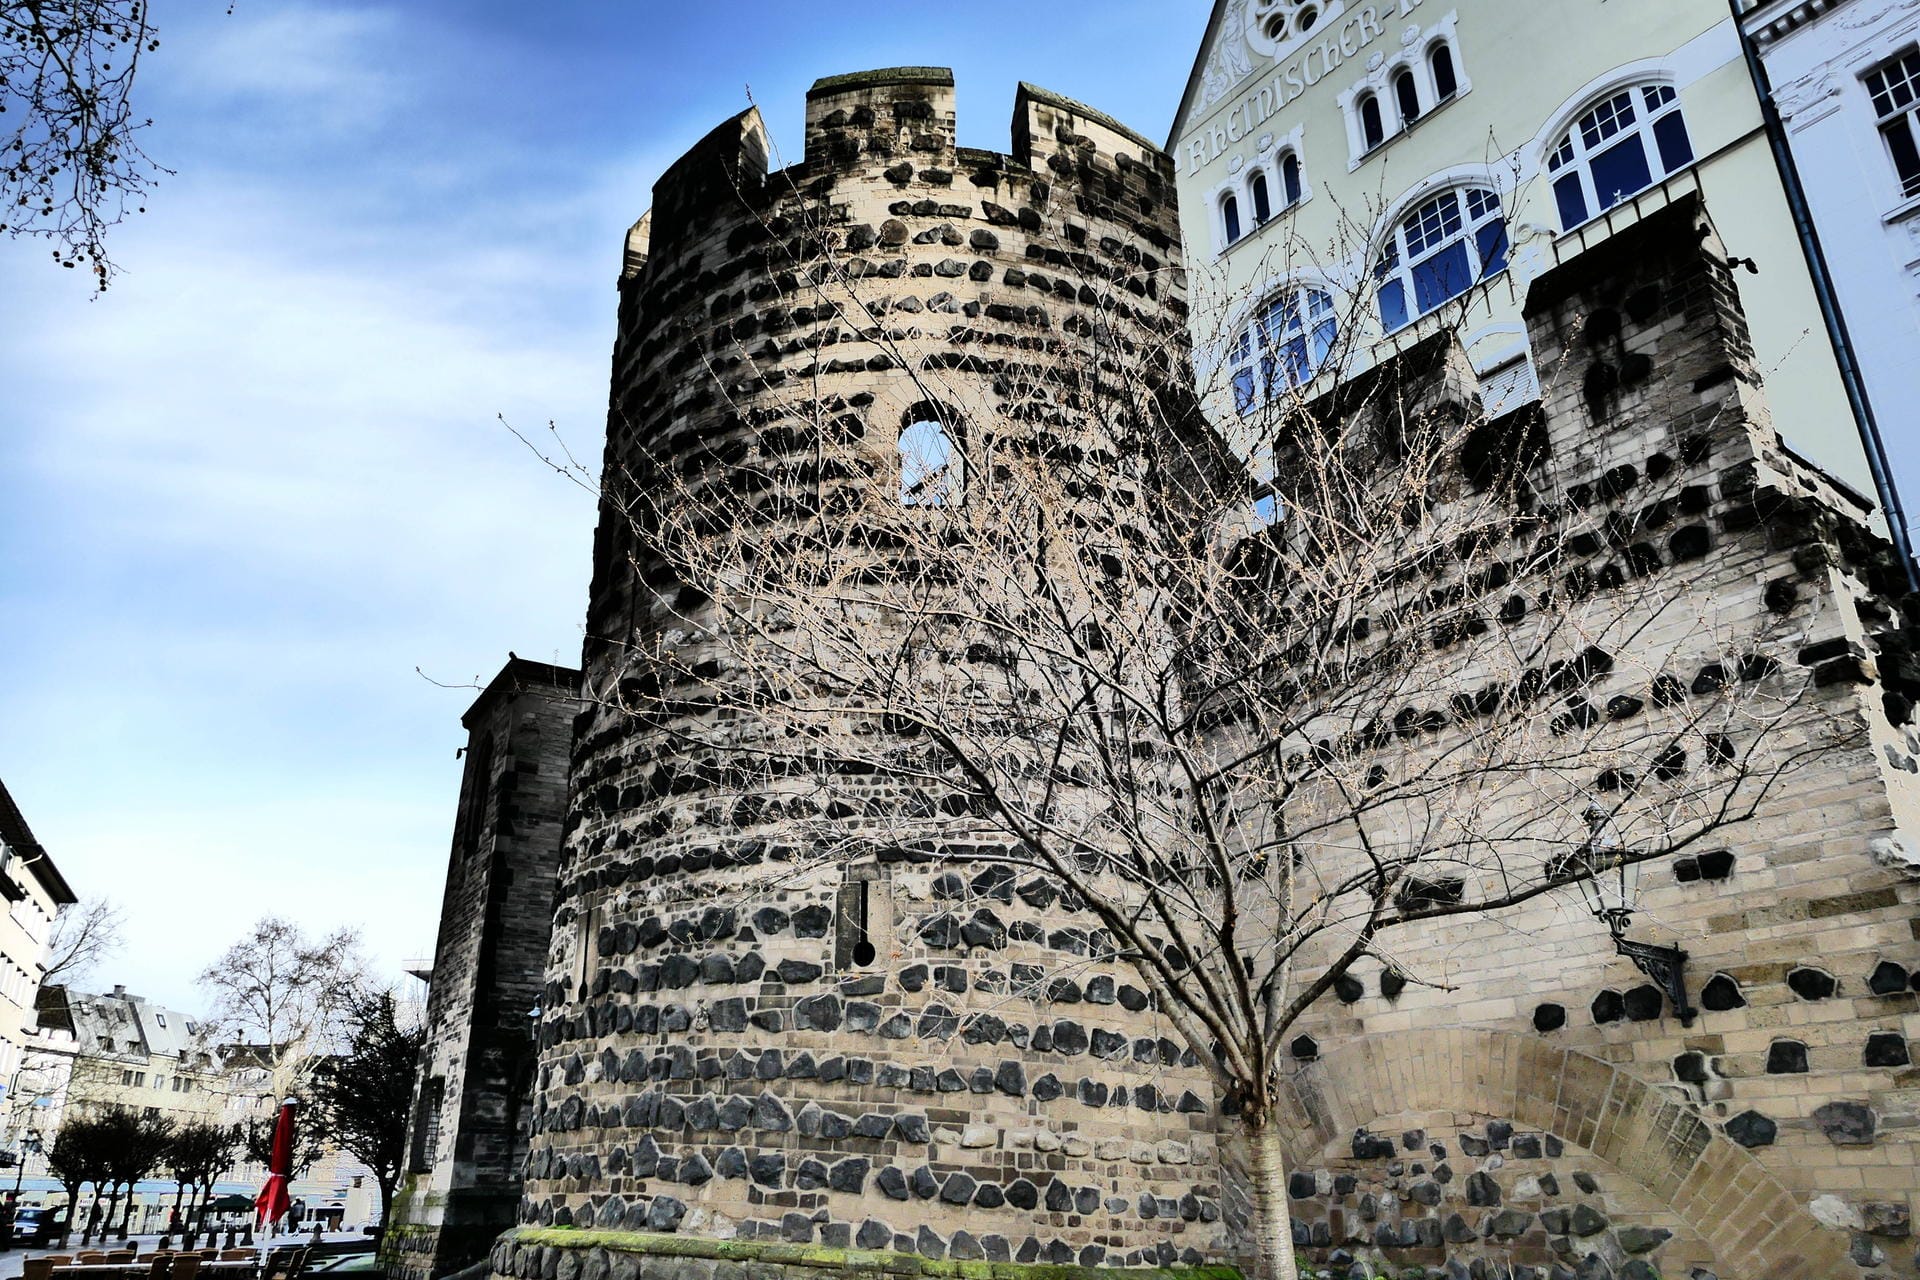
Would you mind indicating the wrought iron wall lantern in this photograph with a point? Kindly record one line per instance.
(1610, 882)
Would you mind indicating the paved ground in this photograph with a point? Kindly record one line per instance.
(12, 1259)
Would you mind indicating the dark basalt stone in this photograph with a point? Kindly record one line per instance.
(989, 1196)
(892, 1183)
(913, 978)
(1721, 994)
(1887, 1049)
(910, 1126)
(1047, 1088)
(1069, 1038)
(1300, 1185)
(1133, 999)
(1847, 1124)
(1887, 979)
(812, 922)
(817, 1013)
(1023, 1194)
(664, 1214)
(1751, 1129)
(1811, 984)
(1482, 1190)
(1587, 1220)
(794, 972)
(1348, 988)
(1644, 1003)
(959, 1188)
(1786, 1057)
(1100, 990)
(1010, 1078)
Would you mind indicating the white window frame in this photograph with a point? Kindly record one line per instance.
(1907, 62)
(1270, 161)
(1415, 56)
(1253, 346)
(1575, 149)
(1404, 259)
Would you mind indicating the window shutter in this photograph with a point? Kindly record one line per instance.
(1506, 388)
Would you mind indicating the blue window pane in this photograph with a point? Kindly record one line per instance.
(1393, 306)
(1324, 334)
(1243, 390)
(1573, 201)
(1621, 171)
(1447, 274)
(1492, 243)
(1676, 149)
(1293, 361)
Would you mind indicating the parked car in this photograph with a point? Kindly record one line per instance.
(39, 1226)
(346, 1264)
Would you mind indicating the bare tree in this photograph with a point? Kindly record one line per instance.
(85, 934)
(278, 996)
(72, 163)
(1253, 721)
(362, 1096)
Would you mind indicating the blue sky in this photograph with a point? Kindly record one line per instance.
(257, 484)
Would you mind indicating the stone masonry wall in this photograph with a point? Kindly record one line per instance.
(1541, 1111)
(987, 1085)
(467, 1142)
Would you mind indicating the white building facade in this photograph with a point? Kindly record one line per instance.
(1844, 76)
(1355, 174)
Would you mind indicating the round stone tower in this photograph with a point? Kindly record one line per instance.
(891, 1053)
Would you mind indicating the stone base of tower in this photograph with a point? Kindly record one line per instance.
(564, 1254)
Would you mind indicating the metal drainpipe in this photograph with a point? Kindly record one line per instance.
(1836, 322)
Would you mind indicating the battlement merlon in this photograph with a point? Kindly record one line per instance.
(897, 125)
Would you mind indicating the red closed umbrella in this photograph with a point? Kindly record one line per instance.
(273, 1202)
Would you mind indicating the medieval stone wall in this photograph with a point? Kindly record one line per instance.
(467, 1142)
(986, 1084)
(1541, 1110)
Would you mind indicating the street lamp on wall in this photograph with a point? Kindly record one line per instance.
(1610, 882)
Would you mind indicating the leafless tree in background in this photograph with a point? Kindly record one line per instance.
(84, 935)
(70, 159)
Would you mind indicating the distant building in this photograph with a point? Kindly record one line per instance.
(115, 1049)
(36, 894)
(468, 1141)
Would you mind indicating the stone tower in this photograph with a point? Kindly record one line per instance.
(467, 1142)
(847, 1062)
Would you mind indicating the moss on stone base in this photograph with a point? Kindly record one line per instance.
(820, 1257)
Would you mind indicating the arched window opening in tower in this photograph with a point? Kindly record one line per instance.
(1262, 199)
(1284, 347)
(932, 471)
(1438, 252)
(1620, 147)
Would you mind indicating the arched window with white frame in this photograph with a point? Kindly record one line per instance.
(1406, 95)
(933, 471)
(1261, 197)
(1230, 217)
(1284, 346)
(1446, 78)
(1373, 126)
(1628, 141)
(1444, 247)
(1291, 185)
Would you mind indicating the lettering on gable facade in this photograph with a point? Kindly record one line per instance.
(1342, 43)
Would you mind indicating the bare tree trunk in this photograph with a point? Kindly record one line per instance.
(1272, 1219)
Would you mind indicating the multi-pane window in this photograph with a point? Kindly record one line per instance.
(1438, 252)
(1284, 346)
(1619, 148)
(1895, 87)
